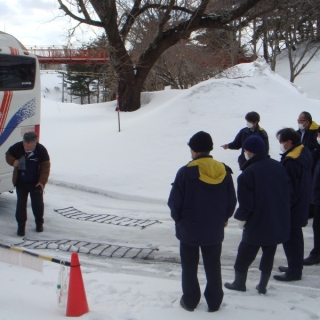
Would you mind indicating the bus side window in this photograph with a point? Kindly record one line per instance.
(13, 80)
(17, 73)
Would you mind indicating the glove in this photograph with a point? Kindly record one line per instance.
(242, 224)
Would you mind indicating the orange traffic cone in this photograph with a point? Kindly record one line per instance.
(77, 301)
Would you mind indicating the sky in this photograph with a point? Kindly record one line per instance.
(39, 23)
(100, 171)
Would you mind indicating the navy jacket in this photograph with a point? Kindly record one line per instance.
(202, 199)
(243, 134)
(298, 164)
(264, 201)
(309, 140)
(315, 195)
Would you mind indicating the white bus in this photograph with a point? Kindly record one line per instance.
(20, 99)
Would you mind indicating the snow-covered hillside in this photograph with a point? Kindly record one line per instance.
(152, 141)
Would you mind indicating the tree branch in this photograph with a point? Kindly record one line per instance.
(81, 20)
(136, 12)
(84, 10)
(165, 19)
(130, 19)
(306, 63)
(249, 18)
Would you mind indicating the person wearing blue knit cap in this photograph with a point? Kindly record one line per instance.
(264, 192)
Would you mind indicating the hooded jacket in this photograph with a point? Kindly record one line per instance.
(243, 134)
(298, 164)
(202, 199)
(264, 201)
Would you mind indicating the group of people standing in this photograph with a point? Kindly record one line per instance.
(275, 201)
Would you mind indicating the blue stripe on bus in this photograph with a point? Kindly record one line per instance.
(25, 112)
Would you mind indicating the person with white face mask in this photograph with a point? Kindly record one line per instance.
(307, 129)
(252, 129)
(264, 213)
(297, 160)
(308, 132)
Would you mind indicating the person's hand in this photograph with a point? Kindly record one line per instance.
(40, 184)
(16, 163)
(225, 146)
(225, 224)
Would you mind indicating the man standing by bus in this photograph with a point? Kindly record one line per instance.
(31, 163)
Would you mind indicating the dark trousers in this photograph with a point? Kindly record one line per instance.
(212, 266)
(36, 196)
(294, 250)
(248, 252)
(316, 230)
(311, 211)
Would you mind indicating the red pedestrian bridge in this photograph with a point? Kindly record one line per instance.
(53, 55)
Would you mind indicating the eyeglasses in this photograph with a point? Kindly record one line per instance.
(301, 120)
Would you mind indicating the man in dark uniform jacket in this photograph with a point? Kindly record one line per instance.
(202, 199)
(314, 256)
(252, 129)
(263, 212)
(297, 160)
(308, 131)
(31, 163)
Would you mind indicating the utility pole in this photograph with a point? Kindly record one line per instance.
(63, 87)
(118, 110)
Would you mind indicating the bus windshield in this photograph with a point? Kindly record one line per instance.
(16, 72)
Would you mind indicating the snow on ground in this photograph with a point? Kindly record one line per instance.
(99, 170)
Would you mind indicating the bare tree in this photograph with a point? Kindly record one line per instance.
(177, 20)
(299, 32)
(292, 25)
(300, 57)
(187, 64)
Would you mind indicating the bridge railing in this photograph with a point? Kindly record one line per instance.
(70, 55)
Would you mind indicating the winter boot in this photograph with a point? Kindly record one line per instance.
(262, 286)
(182, 304)
(39, 228)
(21, 229)
(239, 282)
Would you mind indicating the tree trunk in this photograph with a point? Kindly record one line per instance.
(288, 41)
(254, 39)
(129, 96)
(265, 40)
